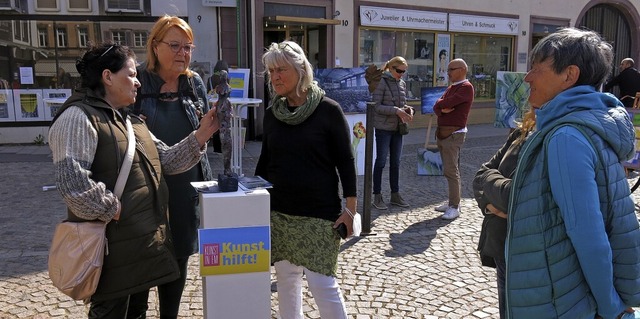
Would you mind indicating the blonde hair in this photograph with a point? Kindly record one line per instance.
(527, 125)
(395, 61)
(159, 30)
(291, 54)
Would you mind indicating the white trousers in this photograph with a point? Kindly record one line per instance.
(324, 289)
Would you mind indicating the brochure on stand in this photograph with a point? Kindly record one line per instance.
(245, 183)
(249, 183)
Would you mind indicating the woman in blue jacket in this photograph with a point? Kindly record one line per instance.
(573, 243)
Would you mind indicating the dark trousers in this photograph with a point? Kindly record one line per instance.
(135, 306)
(501, 269)
(130, 307)
(388, 143)
(169, 294)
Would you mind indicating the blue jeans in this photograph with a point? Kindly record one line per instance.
(388, 143)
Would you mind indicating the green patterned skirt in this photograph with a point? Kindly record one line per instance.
(305, 241)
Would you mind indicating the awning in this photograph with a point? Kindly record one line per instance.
(48, 68)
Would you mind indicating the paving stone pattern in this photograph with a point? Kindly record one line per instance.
(412, 265)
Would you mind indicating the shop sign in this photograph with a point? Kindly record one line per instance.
(482, 24)
(399, 18)
(219, 3)
(234, 250)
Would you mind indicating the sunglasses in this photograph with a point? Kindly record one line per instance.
(176, 47)
(399, 71)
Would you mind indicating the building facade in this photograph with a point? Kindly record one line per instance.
(38, 38)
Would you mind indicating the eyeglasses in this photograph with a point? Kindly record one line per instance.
(453, 69)
(399, 71)
(176, 47)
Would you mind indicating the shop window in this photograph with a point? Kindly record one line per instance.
(379, 46)
(485, 56)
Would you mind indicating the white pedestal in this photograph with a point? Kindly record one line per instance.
(236, 295)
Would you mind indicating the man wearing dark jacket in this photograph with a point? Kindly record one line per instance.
(628, 80)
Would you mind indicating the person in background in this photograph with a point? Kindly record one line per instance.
(628, 80)
(88, 140)
(491, 188)
(171, 101)
(452, 110)
(573, 245)
(390, 110)
(306, 154)
(63, 79)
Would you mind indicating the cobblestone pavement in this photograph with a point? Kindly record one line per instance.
(412, 265)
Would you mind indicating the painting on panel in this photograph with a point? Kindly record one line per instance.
(429, 96)
(512, 93)
(28, 105)
(346, 86)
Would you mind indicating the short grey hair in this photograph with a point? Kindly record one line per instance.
(582, 48)
(291, 54)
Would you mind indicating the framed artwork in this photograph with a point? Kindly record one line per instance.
(347, 86)
(429, 96)
(429, 162)
(512, 94)
(28, 105)
(53, 100)
(358, 124)
(239, 81)
(7, 112)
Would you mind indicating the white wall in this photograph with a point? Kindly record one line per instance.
(204, 22)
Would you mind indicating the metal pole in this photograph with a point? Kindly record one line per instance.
(56, 54)
(368, 164)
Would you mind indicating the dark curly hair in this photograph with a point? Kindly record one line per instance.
(99, 58)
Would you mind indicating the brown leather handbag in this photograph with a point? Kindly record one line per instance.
(78, 248)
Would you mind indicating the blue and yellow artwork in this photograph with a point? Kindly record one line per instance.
(512, 93)
(234, 250)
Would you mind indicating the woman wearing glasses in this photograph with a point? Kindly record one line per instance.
(171, 99)
(390, 110)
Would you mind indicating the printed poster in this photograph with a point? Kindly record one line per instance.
(234, 250)
(442, 59)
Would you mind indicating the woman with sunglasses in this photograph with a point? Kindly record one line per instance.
(391, 109)
(171, 99)
(88, 140)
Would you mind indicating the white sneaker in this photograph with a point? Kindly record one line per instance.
(451, 213)
(442, 208)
